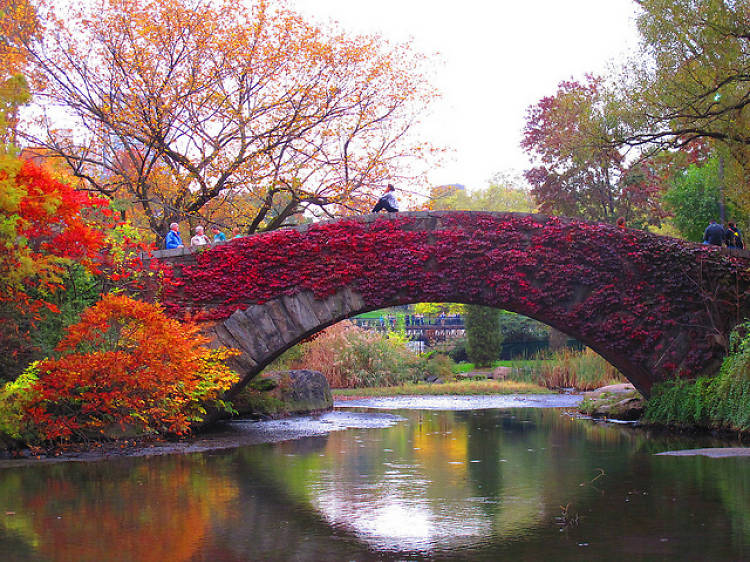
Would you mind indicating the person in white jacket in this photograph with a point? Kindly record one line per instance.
(199, 239)
(387, 201)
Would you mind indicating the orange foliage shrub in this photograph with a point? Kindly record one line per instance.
(127, 363)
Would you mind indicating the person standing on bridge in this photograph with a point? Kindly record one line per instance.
(387, 201)
(219, 236)
(199, 239)
(714, 234)
(173, 239)
(733, 236)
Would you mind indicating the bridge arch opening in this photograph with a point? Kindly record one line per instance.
(242, 332)
(444, 333)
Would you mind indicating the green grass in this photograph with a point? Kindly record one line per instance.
(458, 388)
(378, 313)
(515, 363)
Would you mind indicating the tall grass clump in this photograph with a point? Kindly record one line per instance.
(569, 368)
(720, 402)
(350, 357)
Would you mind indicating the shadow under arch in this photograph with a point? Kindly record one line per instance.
(655, 307)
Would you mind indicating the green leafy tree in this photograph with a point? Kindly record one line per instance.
(516, 328)
(483, 338)
(694, 200)
(504, 193)
(690, 83)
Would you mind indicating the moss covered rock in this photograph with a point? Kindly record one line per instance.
(617, 401)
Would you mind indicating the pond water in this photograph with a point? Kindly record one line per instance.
(408, 484)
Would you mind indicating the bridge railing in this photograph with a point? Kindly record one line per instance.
(411, 322)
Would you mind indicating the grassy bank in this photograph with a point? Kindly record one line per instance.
(459, 388)
(721, 402)
(582, 370)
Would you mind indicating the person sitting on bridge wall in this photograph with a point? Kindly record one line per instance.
(199, 239)
(733, 236)
(387, 201)
(173, 239)
(714, 234)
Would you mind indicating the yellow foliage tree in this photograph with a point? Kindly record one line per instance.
(213, 111)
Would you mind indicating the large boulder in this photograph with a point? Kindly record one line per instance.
(616, 401)
(285, 393)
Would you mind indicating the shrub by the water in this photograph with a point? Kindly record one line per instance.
(350, 357)
(721, 402)
(125, 367)
(483, 337)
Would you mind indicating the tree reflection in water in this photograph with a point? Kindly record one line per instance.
(481, 483)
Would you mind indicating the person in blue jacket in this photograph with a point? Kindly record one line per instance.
(219, 236)
(173, 239)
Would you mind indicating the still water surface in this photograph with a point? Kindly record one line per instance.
(492, 484)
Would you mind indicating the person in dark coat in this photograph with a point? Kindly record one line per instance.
(714, 234)
(733, 236)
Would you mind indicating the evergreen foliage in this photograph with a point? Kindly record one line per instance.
(483, 337)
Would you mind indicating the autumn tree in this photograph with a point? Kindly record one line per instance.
(45, 228)
(214, 111)
(18, 25)
(691, 78)
(580, 169)
(691, 82)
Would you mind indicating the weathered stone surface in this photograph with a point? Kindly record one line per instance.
(281, 319)
(246, 335)
(284, 393)
(267, 331)
(628, 409)
(299, 313)
(612, 389)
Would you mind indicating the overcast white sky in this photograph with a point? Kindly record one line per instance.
(499, 58)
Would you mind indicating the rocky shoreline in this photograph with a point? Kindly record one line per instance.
(307, 413)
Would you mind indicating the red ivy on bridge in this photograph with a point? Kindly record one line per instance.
(594, 281)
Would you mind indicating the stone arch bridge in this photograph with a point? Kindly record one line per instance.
(655, 307)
